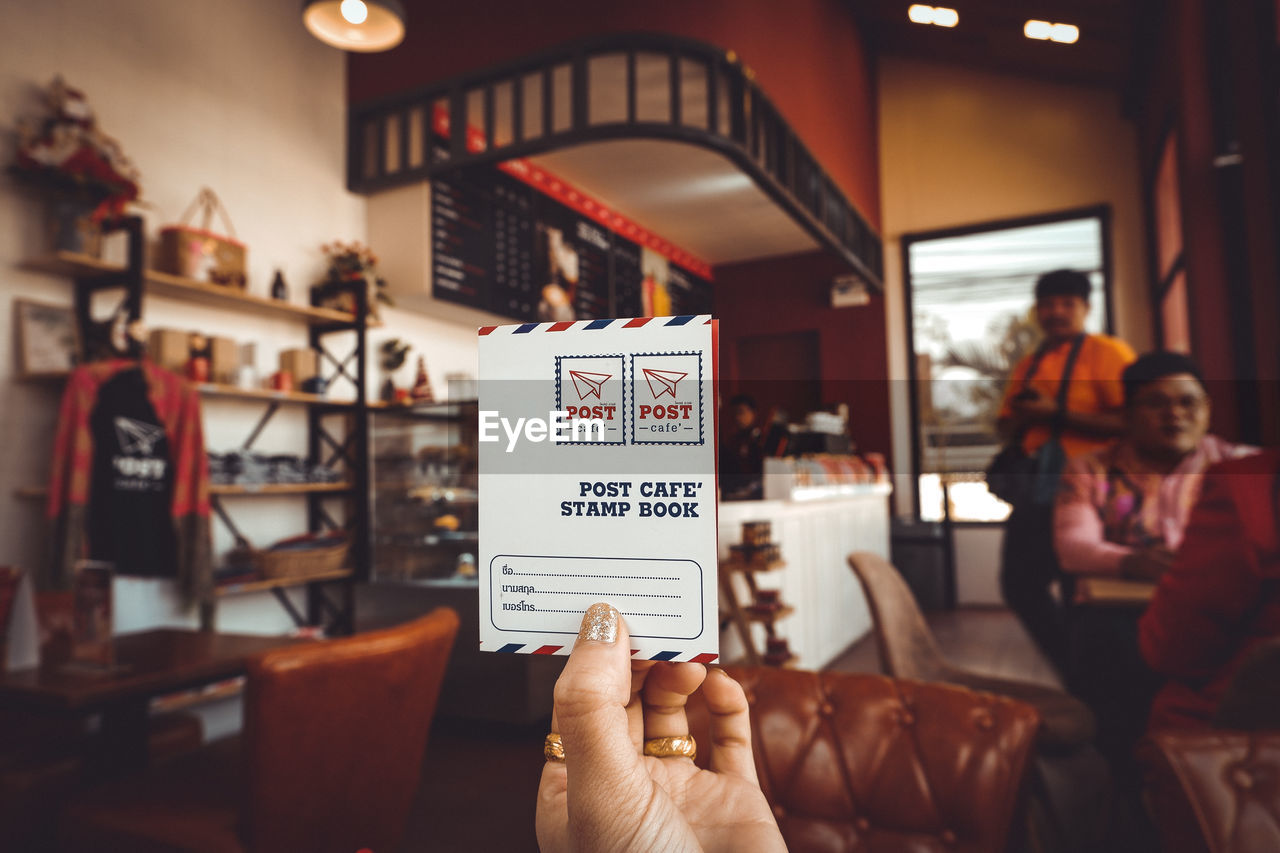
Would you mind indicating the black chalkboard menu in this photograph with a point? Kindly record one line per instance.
(499, 244)
(516, 281)
(628, 278)
(462, 240)
(689, 293)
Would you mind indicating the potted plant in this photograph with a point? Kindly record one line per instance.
(84, 170)
(350, 262)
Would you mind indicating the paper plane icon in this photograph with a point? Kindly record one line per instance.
(662, 381)
(137, 436)
(588, 384)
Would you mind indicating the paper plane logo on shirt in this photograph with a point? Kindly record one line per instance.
(588, 384)
(662, 381)
(137, 437)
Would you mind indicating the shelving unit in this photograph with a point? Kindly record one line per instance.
(424, 465)
(742, 615)
(323, 447)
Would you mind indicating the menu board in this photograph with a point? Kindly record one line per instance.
(499, 244)
(516, 281)
(689, 293)
(593, 245)
(628, 278)
(462, 240)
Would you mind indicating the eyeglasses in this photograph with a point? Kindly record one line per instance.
(1160, 402)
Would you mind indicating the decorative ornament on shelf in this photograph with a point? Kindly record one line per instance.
(350, 262)
(89, 176)
(392, 355)
(421, 392)
(279, 290)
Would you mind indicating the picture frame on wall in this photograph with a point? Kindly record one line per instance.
(45, 337)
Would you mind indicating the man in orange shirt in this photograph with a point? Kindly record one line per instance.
(1089, 420)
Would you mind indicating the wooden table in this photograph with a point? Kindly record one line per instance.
(149, 663)
(1114, 592)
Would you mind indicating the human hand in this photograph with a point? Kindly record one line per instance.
(608, 795)
(1031, 407)
(1148, 563)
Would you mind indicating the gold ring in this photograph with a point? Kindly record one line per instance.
(552, 748)
(680, 746)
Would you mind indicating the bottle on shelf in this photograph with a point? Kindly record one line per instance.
(421, 392)
(279, 290)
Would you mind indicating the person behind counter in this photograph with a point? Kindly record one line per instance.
(1088, 420)
(742, 454)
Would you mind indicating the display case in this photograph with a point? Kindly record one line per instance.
(424, 481)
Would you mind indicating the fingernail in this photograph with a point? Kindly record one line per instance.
(599, 623)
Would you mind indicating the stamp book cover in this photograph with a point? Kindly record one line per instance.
(598, 483)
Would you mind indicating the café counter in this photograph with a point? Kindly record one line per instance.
(816, 529)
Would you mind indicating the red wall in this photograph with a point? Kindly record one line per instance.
(793, 294)
(808, 56)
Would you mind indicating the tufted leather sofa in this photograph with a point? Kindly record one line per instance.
(868, 763)
(1215, 791)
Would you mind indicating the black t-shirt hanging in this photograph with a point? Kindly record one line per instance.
(131, 487)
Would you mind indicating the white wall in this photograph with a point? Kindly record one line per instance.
(239, 97)
(959, 147)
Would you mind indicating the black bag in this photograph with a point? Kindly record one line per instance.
(1019, 478)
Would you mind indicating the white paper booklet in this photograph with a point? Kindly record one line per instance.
(597, 483)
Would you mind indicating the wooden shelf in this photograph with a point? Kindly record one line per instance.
(268, 489)
(211, 389)
(279, 583)
(191, 698)
(164, 284)
(70, 264)
(768, 618)
(739, 566)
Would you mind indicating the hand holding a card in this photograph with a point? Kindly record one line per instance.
(611, 793)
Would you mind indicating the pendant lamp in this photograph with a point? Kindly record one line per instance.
(364, 26)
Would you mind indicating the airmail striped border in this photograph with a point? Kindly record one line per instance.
(596, 325)
(528, 649)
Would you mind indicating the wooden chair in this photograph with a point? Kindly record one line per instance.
(330, 756)
(908, 650)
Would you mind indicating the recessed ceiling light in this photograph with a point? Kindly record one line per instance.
(1065, 34)
(1037, 29)
(1048, 31)
(938, 16)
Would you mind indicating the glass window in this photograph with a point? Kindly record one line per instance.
(970, 320)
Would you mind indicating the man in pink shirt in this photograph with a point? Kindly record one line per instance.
(1120, 512)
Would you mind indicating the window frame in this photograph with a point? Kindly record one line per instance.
(1101, 212)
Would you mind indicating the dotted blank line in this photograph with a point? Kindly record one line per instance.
(625, 594)
(605, 577)
(624, 613)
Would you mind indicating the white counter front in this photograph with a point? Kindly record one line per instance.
(815, 537)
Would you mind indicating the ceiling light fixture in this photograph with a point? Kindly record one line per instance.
(364, 26)
(1047, 31)
(938, 16)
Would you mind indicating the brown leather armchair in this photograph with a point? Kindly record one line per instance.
(330, 756)
(853, 762)
(1216, 791)
(1219, 790)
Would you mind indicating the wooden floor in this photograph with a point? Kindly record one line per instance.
(480, 783)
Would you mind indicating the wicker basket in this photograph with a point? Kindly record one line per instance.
(302, 562)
